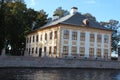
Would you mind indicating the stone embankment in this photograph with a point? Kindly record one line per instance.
(37, 62)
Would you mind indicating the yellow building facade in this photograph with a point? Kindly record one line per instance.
(72, 36)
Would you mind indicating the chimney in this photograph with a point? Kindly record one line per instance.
(73, 10)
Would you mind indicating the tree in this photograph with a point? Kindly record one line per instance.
(16, 22)
(60, 12)
(113, 25)
(41, 19)
(89, 16)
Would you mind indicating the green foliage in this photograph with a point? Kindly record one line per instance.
(89, 16)
(16, 23)
(60, 12)
(113, 25)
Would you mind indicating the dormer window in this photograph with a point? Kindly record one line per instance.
(86, 22)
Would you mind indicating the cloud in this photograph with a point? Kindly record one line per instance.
(90, 2)
(32, 2)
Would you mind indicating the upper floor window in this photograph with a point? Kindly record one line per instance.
(74, 35)
(99, 38)
(55, 49)
(41, 37)
(55, 35)
(45, 36)
(66, 34)
(27, 40)
(106, 38)
(36, 38)
(91, 37)
(82, 36)
(33, 38)
(50, 35)
(30, 40)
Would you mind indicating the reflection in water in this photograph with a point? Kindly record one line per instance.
(59, 74)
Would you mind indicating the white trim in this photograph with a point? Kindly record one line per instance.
(87, 43)
(62, 37)
(78, 42)
(95, 45)
(70, 43)
(52, 43)
(109, 47)
(102, 46)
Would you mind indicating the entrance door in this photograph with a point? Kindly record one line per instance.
(40, 52)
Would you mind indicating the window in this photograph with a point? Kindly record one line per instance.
(66, 34)
(105, 53)
(33, 38)
(91, 37)
(55, 49)
(99, 38)
(32, 50)
(74, 35)
(91, 51)
(36, 38)
(65, 50)
(27, 39)
(82, 36)
(50, 50)
(36, 50)
(74, 50)
(55, 35)
(50, 35)
(98, 52)
(29, 51)
(30, 39)
(82, 51)
(45, 36)
(45, 49)
(41, 37)
(106, 38)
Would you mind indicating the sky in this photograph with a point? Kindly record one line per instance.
(103, 10)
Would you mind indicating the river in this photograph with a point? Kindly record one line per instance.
(58, 74)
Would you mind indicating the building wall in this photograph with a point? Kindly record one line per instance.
(92, 49)
(43, 46)
(84, 47)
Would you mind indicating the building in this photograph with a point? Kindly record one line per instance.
(72, 36)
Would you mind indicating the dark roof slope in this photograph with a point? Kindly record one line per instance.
(75, 19)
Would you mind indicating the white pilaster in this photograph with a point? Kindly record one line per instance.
(62, 38)
(53, 43)
(102, 47)
(78, 42)
(48, 39)
(109, 46)
(95, 45)
(87, 44)
(43, 44)
(70, 43)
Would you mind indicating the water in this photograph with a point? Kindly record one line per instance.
(58, 74)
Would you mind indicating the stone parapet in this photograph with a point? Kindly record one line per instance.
(36, 62)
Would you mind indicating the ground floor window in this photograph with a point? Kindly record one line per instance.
(74, 50)
(55, 49)
(105, 53)
(98, 52)
(50, 50)
(65, 50)
(82, 51)
(32, 50)
(91, 52)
